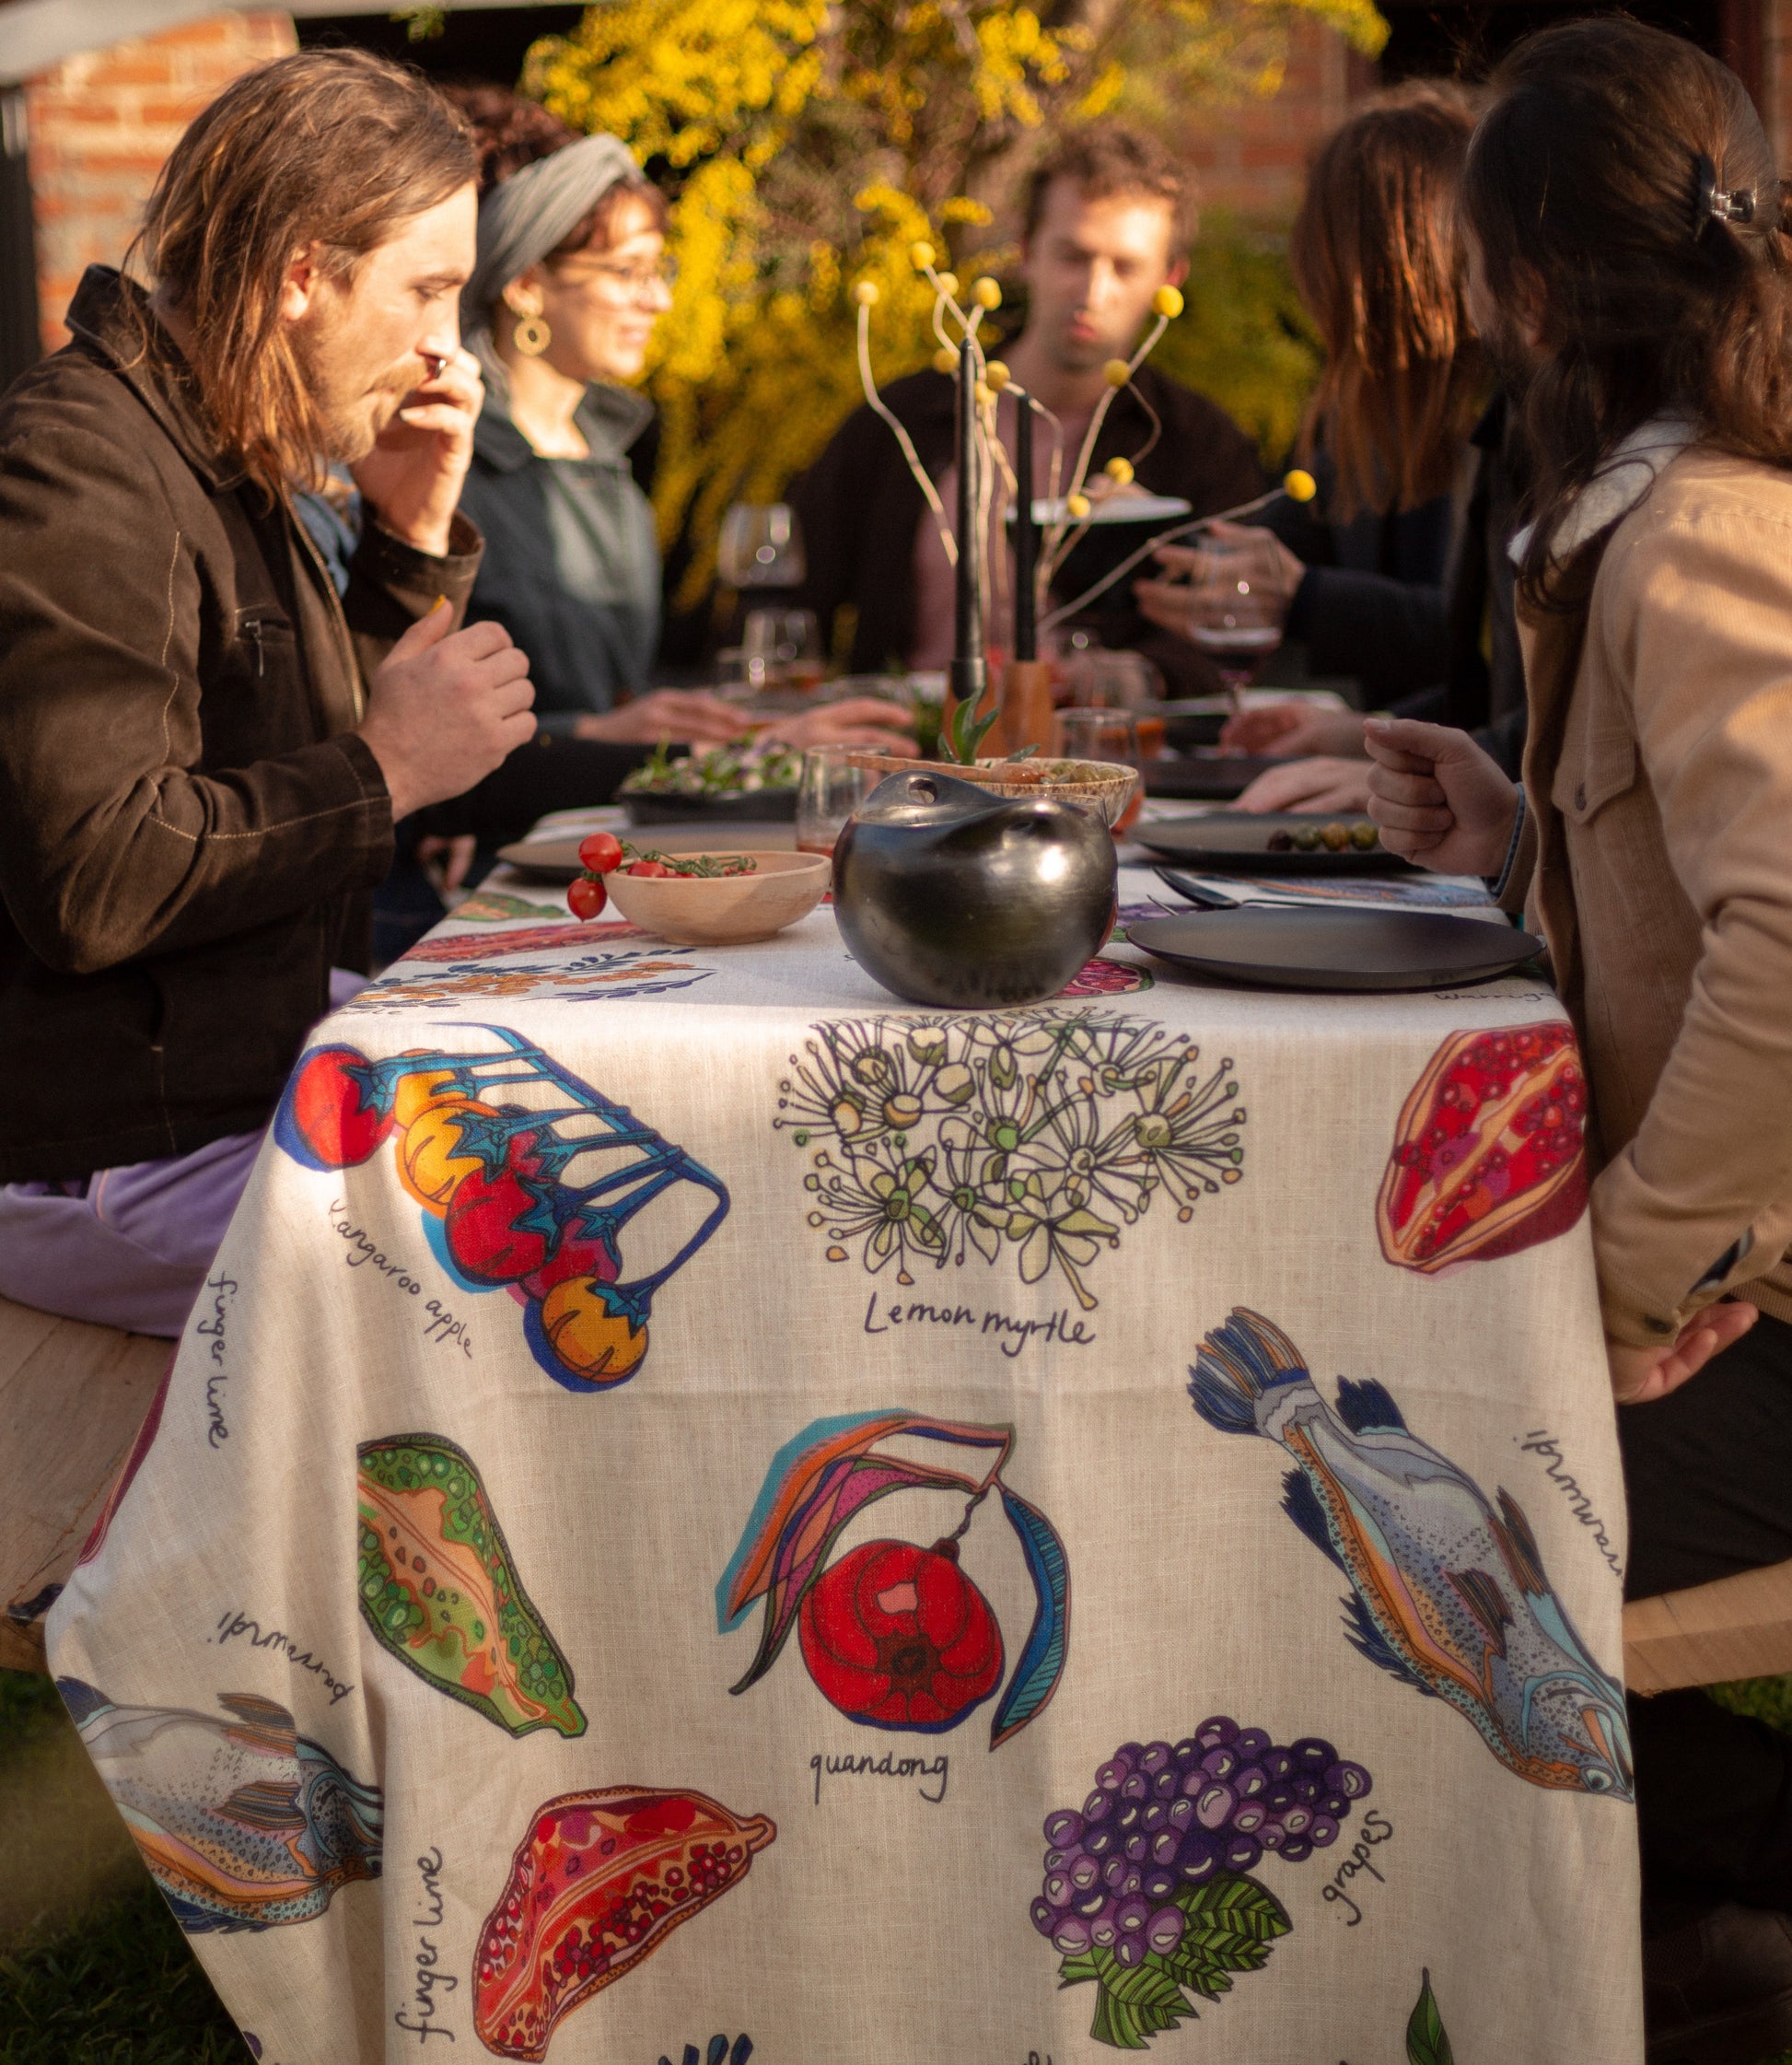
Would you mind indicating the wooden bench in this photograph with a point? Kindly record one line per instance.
(72, 1397)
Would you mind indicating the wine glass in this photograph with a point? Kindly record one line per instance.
(829, 790)
(1235, 624)
(1103, 735)
(782, 645)
(760, 546)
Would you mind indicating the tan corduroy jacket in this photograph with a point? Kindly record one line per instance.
(1656, 860)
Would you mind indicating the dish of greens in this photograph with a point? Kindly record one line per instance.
(736, 781)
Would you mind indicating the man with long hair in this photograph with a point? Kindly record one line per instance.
(1630, 266)
(202, 745)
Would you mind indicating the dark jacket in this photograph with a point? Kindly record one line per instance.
(1373, 603)
(860, 507)
(187, 820)
(572, 559)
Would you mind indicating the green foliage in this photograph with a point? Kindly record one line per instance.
(1768, 1699)
(1243, 338)
(1232, 1921)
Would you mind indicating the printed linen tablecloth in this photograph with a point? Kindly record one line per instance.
(703, 1507)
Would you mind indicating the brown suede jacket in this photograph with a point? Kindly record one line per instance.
(1656, 863)
(189, 822)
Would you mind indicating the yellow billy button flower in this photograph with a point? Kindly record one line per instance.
(1119, 470)
(985, 293)
(1076, 506)
(997, 374)
(1300, 486)
(866, 293)
(985, 394)
(948, 284)
(946, 360)
(1167, 302)
(1116, 372)
(921, 256)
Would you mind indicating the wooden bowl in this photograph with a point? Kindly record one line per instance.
(723, 910)
(1105, 787)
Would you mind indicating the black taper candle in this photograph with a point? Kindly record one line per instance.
(1026, 539)
(970, 675)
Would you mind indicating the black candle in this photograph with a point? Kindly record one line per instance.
(968, 676)
(1026, 539)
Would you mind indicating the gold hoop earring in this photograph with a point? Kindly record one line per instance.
(531, 336)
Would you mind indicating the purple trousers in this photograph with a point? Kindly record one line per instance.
(129, 1246)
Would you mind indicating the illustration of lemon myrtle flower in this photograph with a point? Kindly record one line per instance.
(1045, 1135)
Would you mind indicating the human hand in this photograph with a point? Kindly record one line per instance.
(445, 861)
(1639, 1376)
(1438, 799)
(1309, 784)
(689, 717)
(1296, 728)
(412, 478)
(858, 720)
(445, 708)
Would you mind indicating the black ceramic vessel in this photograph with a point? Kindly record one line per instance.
(947, 894)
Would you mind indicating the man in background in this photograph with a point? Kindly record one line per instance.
(1109, 221)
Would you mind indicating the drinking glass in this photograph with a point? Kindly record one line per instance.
(782, 645)
(760, 546)
(828, 791)
(1103, 735)
(1234, 624)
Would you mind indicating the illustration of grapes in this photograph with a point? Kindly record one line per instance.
(527, 1177)
(893, 1635)
(1148, 1889)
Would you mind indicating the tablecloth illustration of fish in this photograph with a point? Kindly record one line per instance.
(1450, 1595)
(245, 1823)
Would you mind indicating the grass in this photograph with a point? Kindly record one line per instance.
(93, 1970)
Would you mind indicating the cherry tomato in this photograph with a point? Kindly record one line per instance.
(586, 897)
(601, 853)
(647, 867)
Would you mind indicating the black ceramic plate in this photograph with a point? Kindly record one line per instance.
(1281, 948)
(1206, 777)
(1239, 845)
(741, 806)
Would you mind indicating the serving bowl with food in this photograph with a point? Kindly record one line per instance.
(1105, 786)
(697, 899)
(735, 782)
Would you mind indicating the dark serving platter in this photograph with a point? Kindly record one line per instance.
(1237, 844)
(743, 806)
(1206, 777)
(1280, 948)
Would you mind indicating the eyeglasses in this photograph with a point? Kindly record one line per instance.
(628, 283)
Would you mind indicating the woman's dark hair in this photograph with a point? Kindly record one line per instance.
(511, 132)
(1622, 185)
(1377, 257)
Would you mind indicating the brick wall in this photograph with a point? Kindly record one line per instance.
(1251, 158)
(1776, 77)
(101, 123)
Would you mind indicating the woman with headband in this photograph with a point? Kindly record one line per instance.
(569, 282)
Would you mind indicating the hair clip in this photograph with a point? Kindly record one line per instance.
(1716, 203)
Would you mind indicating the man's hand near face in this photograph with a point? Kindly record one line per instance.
(413, 477)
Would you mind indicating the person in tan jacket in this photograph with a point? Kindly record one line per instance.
(1631, 270)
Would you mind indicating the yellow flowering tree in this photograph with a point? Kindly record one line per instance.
(810, 141)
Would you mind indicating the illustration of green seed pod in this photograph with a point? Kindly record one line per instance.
(440, 1590)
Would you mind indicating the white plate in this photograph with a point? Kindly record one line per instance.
(1120, 509)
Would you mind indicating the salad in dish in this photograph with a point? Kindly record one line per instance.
(734, 769)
